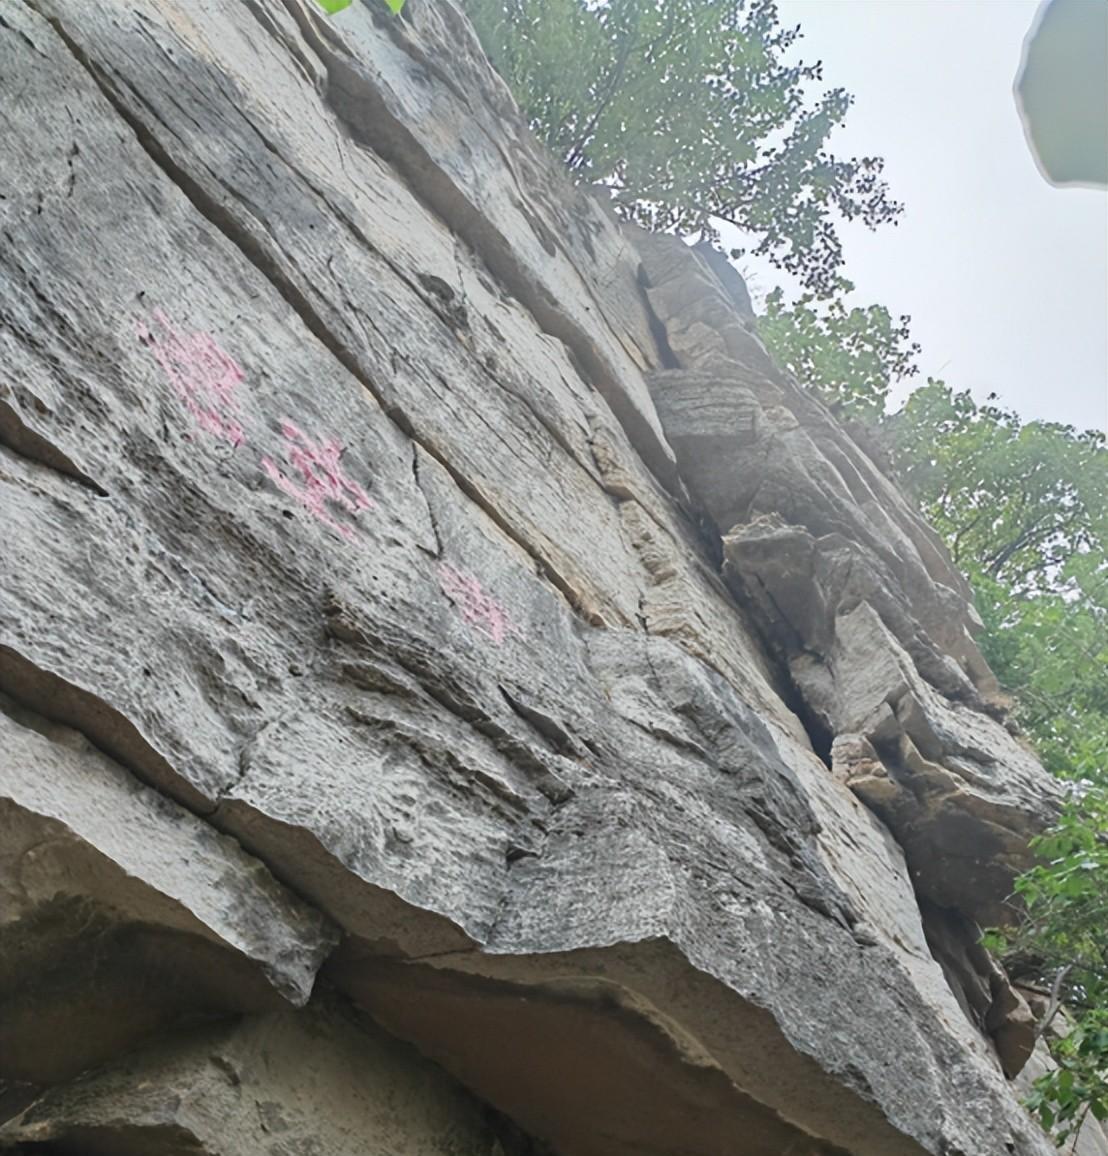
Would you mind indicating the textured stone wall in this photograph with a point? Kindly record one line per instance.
(456, 695)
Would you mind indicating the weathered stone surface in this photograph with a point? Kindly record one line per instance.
(981, 985)
(120, 911)
(854, 593)
(962, 795)
(314, 1081)
(338, 515)
(802, 466)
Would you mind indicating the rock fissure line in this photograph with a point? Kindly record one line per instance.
(18, 437)
(255, 253)
(376, 127)
(94, 720)
(543, 567)
(341, 624)
(398, 271)
(52, 697)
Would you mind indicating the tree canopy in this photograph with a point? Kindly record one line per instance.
(1020, 502)
(1023, 507)
(692, 113)
(849, 356)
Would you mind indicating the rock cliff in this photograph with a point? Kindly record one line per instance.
(457, 695)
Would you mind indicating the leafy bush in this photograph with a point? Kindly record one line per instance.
(1063, 943)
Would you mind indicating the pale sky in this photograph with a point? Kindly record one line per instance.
(1005, 276)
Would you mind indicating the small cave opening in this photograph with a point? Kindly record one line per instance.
(820, 734)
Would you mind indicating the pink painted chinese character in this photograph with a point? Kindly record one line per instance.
(479, 609)
(322, 479)
(202, 375)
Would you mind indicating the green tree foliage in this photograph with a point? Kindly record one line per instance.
(1063, 943)
(1016, 501)
(850, 357)
(1051, 651)
(331, 7)
(692, 114)
(1024, 509)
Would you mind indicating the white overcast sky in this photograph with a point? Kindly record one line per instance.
(1005, 276)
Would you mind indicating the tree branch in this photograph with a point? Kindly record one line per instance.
(1055, 1000)
(576, 152)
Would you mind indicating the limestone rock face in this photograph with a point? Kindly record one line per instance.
(423, 602)
(119, 904)
(316, 1081)
(856, 595)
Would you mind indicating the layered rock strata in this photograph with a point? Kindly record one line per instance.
(423, 600)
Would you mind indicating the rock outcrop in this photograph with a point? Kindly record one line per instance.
(429, 618)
